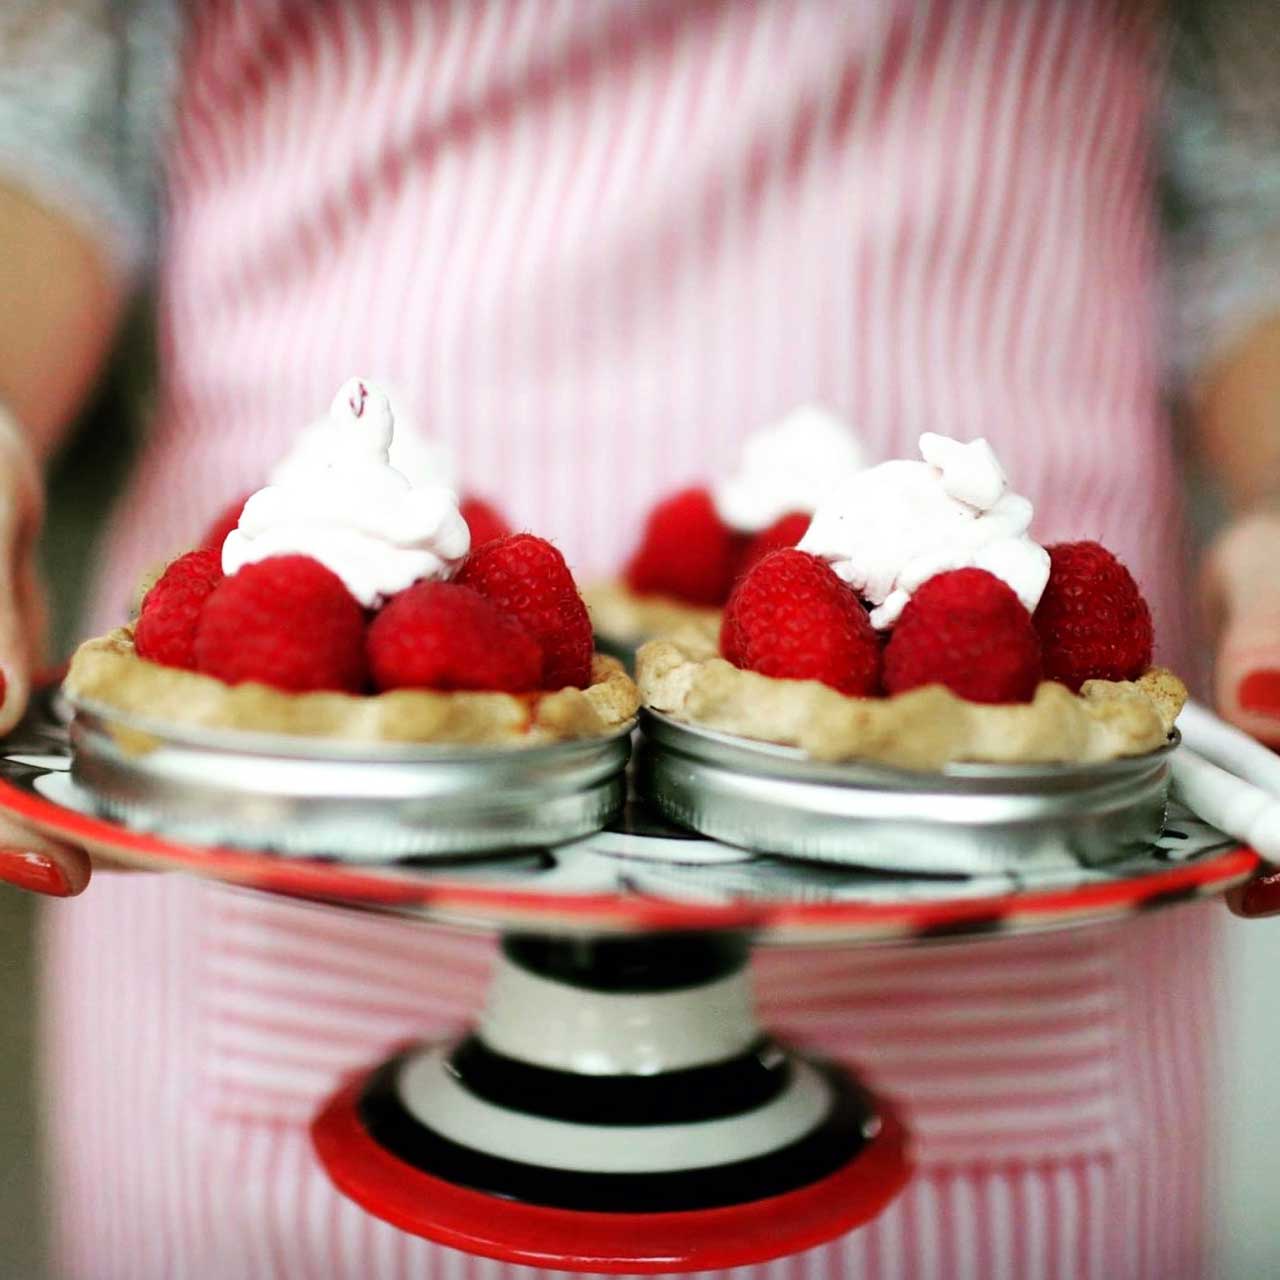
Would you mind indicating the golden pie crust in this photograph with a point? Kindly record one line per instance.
(685, 677)
(623, 617)
(108, 670)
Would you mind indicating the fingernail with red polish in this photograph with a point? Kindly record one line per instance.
(33, 872)
(1260, 691)
(1261, 896)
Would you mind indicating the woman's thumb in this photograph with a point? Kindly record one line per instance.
(1245, 586)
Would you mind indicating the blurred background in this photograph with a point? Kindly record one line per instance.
(85, 475)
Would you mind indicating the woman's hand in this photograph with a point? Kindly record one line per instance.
(61, 296)
(27, 859)
(1242, 591)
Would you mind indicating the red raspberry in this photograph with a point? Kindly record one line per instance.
(527, 578)
(286, 621)
(1092, 619)
(791, 617)
(216, 534)
(166, 627)
(783, 532)
(484, 521)
(687, 552)
(439, 635)
(969, 631)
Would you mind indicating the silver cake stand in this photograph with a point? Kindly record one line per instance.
(617, 1107)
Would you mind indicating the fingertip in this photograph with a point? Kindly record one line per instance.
(60, 874)
(1256, 898)
(1248, 696)
(1247, 676)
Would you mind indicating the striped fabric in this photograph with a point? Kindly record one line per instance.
(596, 244)
(1059, 1115)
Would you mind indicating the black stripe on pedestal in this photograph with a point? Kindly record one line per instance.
(629, 966)
(833, 1143)
(709, 1092)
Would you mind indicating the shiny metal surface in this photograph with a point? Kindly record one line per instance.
(641, 874)
(966, 819)
(340, 800)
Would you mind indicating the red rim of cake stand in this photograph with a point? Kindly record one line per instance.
(612, 1243)
(495, 906)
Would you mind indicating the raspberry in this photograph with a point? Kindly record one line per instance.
(783, 532)
(967, 630)
(216, 534)
(166, 627)
(286, 621)
(687, 552)
(484, 521)
(792, 617)
(527, 578)
(439, 635)
(1092, 619)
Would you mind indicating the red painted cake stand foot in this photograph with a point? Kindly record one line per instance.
(616, 1110)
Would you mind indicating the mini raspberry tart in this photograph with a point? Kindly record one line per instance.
(917, 625)
(346, 603)
(698, 541)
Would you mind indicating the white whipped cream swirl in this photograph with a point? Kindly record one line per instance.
(421, 460)
(339, 500)
(793, 465)
(891, 528)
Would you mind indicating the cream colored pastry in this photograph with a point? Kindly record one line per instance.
(107, 670)
(621, 616)
(685, 677)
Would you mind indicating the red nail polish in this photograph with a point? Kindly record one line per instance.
(1261, 896)
(1260, 691)
(34, 872)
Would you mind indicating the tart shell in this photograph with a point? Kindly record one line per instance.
(685, 677)
(623, 617)
(108, 670)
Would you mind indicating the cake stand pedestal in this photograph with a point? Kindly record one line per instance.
(617, 1109)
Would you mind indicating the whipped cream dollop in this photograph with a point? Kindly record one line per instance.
(890, 528)
(421, 460)
(340, 501)
(793, 465)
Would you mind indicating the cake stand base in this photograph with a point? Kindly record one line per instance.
(617, 1110)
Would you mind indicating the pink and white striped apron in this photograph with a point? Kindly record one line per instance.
(597, 243)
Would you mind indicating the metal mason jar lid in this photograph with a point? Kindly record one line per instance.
(340, 800)
(963, 819)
